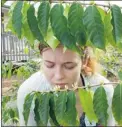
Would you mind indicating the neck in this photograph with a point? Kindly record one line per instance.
(81, 81)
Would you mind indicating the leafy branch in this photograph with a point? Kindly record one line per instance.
(64, 102)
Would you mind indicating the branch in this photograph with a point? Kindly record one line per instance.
(75, 87)
(71, 1)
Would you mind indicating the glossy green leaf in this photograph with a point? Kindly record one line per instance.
(87, 104)
(66, 9)
(108, 29)
(37, 116)
(75, 22)
(52, 110)
(117, 23)
(57, 19)
(17, 18)
(51, 40)
(117, 104)
(59, 27)
(71, 117)
(43, 108)
(43, 17)
(93, 22)
(60, 99)
(33, 24)
(25, 29)
(27, 106)
(102, 13)
(100, 105)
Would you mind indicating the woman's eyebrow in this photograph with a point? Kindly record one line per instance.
(48, 61)
(70, 63)
(63, 63)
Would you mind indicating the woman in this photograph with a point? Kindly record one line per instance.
(62, 68)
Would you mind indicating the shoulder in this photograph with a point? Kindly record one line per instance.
(36, 82)
(97, 79)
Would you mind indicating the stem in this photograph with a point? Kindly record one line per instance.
(71, 1)
(76, 88)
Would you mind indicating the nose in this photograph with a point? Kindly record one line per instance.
(59, 74)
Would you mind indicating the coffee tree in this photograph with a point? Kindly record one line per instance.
(75, 26)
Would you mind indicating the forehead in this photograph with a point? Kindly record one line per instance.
(59, 56)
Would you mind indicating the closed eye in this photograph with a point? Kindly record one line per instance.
(70, 65)
(49, 64)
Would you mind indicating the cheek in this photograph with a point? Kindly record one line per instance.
(48, 73)
(73, 75)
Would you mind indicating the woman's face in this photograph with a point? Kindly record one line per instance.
(61, 68)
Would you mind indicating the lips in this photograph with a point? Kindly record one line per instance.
(61, 84)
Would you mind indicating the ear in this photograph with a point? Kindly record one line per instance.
(86, 70)
(85, 61)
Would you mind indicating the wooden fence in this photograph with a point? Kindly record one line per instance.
(13, 48)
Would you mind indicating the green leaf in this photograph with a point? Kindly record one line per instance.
(5, 115)
(93, 22)
(117, 104)
(33, 24)
(44, 108)
(51, 40)
(17, 18)
(25, 29)
(58, 21)
(37, 117)
(9, 26)
(120, 74)
(75, 22)
(102, 12)
(71, 117)
(5, 99)
(117, 23)
(27, 106)
(60, 29)
(52, 110)
(108, 29)
(60, 99)
(26, 50)
(12, 114)
(43, 17)
(66, 9)
(87, 104)
(101, 105)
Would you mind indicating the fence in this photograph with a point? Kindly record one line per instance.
(13, 48)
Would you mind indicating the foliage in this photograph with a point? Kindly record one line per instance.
(80, 27)
(117, 104)
(27, 69)
(9, 108)
(111, 61)
(7, 70)
(51, 26)
(87, 105)
(120, 74)
(64, 103)
(101, 105)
